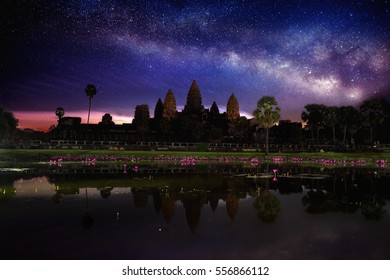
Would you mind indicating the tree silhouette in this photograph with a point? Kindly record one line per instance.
(348, 116)
(90, 90)
(314, 117)
(316, 202)
(331, 119)
(8, 124)
(355, 124)
(60, 112)
(373, 113)
(51, 128)
(267, 113)
(105, 192)
(107, 120)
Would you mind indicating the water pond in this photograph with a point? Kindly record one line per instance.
(193, 209)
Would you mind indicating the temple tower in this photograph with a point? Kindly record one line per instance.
(194, 99)
(170, 110)
(159, 110)
(232, 111)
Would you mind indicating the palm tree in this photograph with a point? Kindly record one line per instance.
(331, 119)
(90, 90)
(267, 113)
(348, 116)
(314, 118)
(60, 112)
(355, 124)
(373, 114)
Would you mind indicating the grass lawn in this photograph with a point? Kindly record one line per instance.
(32, 155)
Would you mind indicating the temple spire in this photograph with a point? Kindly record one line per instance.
(232, 110)
(170, 110)
(194, 99)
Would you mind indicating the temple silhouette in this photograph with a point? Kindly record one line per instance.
(194, 123)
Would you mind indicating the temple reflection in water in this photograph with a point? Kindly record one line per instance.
(342, 190)
(155, 210)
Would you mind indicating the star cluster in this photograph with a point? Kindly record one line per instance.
(330, 52)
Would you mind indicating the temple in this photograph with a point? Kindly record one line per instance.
(194, 123)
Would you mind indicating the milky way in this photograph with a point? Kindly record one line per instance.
(301, 52)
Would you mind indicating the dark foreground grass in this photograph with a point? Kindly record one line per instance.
(32, 155)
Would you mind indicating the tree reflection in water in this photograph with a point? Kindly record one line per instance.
(326, 190)
(174, 212)
(267, 205)
(316, 202)
(105, 192)
(350, 192)
(333, 205)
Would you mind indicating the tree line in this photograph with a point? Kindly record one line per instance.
(370, 115)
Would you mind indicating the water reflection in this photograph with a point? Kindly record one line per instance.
(193, 200)
(224, 203)
(343, 190)
(349, 191)
(267, 206)
(87, 220)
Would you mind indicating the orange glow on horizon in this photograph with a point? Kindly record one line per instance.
(41, 121)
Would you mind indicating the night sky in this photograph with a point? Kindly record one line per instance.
(301, 52)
